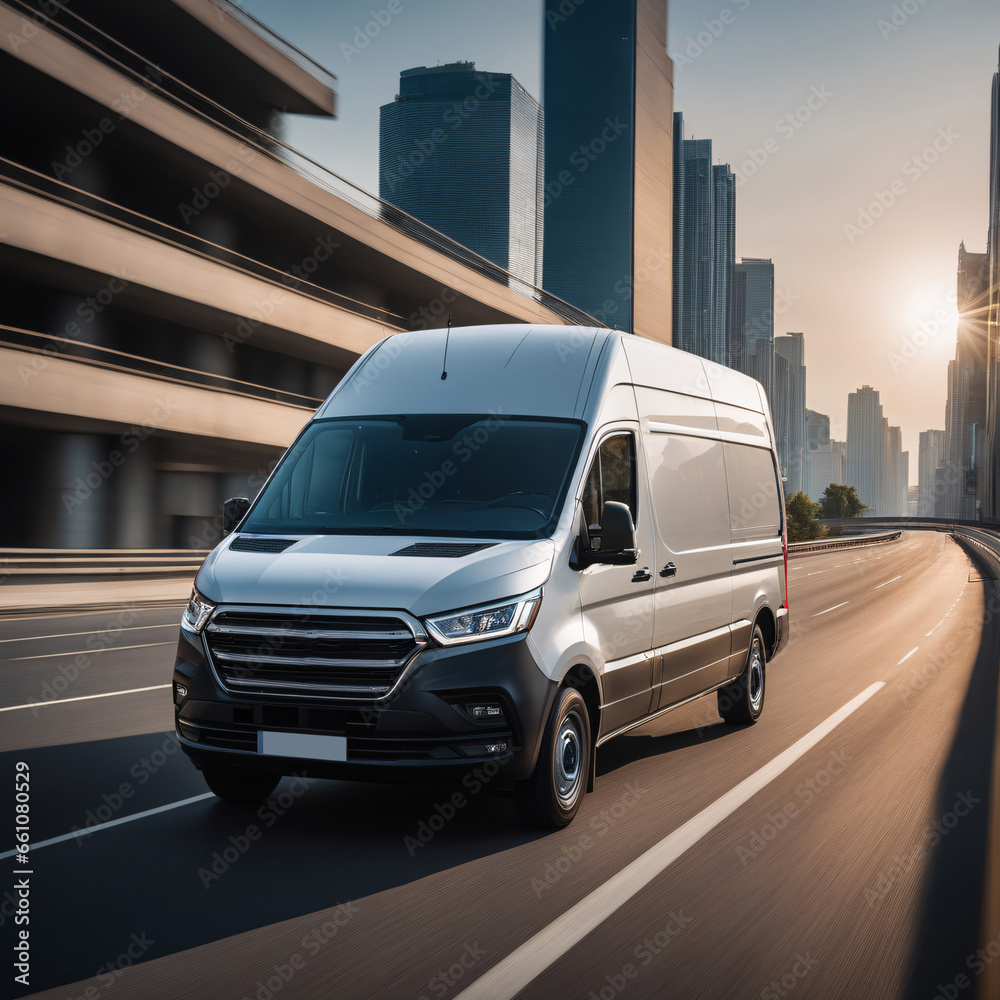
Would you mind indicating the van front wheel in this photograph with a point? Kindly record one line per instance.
(741, 702)
(552, 795)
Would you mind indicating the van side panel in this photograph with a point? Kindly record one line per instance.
(758, 556)
(693, 562)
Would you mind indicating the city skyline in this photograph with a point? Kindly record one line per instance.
(870, 104)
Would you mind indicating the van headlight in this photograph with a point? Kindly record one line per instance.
(196, 613)
(492, 621)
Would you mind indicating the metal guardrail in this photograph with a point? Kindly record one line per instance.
(21, 563)
(982, 537)
(852, 541)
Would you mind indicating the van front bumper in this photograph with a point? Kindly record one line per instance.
(425, 731)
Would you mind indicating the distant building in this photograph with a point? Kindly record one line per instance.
(462, 150)
(866, 448)
(896, 485)
(989, 481)
(704, 250)
(789, 409)
(933, 451)
(608, 96)
(754, 309)
(965, 412)
(824, 466)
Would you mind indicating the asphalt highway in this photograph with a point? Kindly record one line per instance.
(846, 846)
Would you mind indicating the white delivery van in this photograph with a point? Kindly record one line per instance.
(490, 551)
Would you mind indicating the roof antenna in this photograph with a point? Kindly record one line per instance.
(444, 364)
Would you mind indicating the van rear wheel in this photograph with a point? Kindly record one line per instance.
(741, 702)
(551, 797)
(240, 785)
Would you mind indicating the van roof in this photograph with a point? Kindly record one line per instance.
(518, 369)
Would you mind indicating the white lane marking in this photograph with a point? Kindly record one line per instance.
(110, 823)
(908, 655)
(887, 582)
(512, 974)
(834, 608)
(83, 697)
(49, 616)
(66, 635)
(82, 652)
(949, 611)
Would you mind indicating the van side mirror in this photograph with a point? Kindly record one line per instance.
(233, 511)
(618, 546)
(617, 535)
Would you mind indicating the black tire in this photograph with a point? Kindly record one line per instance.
(741, 702)
(240, 785)
(552, 795)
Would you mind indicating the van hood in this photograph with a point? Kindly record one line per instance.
(368, 571)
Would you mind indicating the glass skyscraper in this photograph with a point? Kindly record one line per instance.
(755, 288)
(608, 101)
(462, 151)
(704, 248)
(990, 482)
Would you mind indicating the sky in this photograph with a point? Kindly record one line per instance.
(858, 131)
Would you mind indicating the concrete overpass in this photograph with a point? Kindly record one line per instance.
(169, 264)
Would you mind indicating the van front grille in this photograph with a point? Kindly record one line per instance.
(296, 652)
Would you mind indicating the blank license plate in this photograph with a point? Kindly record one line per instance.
(307, 745)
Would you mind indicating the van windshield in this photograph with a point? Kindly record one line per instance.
(443, 474)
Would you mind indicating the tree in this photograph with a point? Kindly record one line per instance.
(802, 523)
(841, 501)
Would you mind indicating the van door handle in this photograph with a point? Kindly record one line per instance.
(641, 575)
(669, 570)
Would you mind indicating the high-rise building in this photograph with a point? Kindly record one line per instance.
(895, 484)
(867, 431)
(965, 412)
(462, 151)
(989, 484)
(933, 453)
(608, 97)
(754, 288)
(789, 409)
(823, 465)
(704, 247)
(724, 208)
